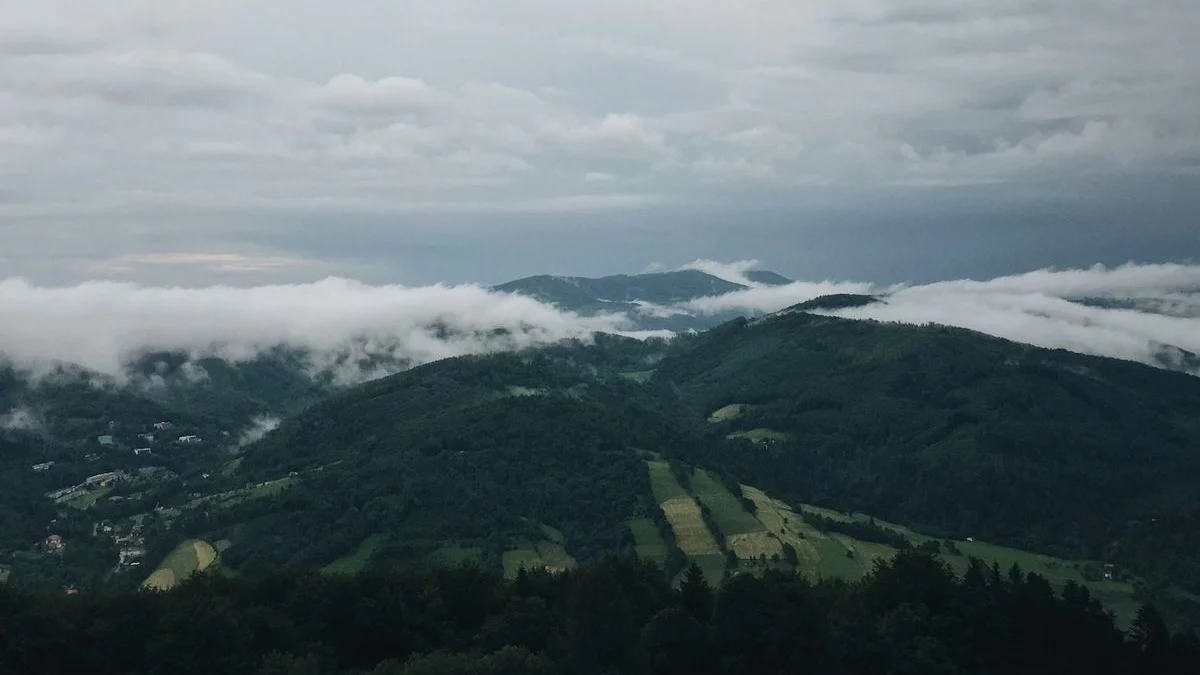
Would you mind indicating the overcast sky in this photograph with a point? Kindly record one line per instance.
(265, 141)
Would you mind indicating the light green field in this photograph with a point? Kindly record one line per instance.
(663, 482)
(648, 542)
(232, 497)
(866, 553)
(729, 412)
(712, 565)
(1116, 596)
(727, 510)
(356, 561)
(760, 435)
(222, 545)
(834, 564)
(88, 499)
(5, 573)
(191, 556)
(554, 557)
(453, 556)
(553, 534)
(525, 556)
(683, 513)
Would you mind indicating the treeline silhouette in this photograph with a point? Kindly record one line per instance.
(616, 616)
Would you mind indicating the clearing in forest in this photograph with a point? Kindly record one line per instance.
(663, 482)
(554, 556)
(525, 555)
(453, 556)
(191, 556)
(761, 435)
(729, 412)
(356, 561)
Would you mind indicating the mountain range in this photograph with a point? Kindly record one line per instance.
(792, 441)
(639, 295)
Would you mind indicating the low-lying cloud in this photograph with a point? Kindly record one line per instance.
(103, 326)
(1131, 312)
(259, 427)
(20, 419)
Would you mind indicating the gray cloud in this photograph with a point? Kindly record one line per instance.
(155, 129)
(1038, 308)
(341, 323)
(259, 427)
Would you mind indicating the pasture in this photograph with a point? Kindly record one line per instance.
(525, 555)
(648, 542)
(191, 556)
(760, 435)
(729, 412)
(453, 556)
(663, 482)
(727, 510)
(554, 556)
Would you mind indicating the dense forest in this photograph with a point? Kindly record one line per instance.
(912, 615)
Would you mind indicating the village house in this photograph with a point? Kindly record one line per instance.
(54, 543)
(189, 439)
(141, 451)
(43, 467)
(162, 426)
(149, 438)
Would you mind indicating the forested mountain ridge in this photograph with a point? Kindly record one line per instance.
(541, 455)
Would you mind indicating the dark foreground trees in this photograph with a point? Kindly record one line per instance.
(616, 616)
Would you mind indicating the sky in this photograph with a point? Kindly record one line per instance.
(259, 143)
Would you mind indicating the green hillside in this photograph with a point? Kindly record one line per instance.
(955, 433)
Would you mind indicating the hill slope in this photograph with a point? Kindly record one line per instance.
(950, 430)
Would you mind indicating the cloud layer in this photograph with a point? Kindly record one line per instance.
(1135, 311)
(103, 325)
(184, 131)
